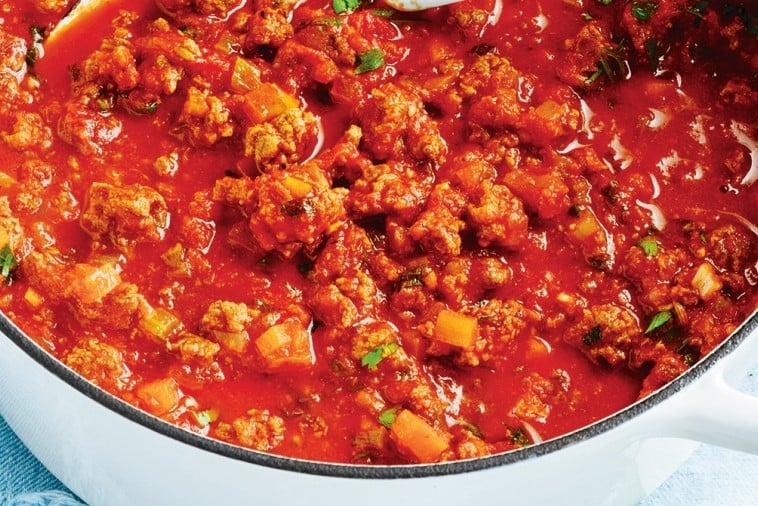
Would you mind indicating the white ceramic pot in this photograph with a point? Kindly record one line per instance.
(109, 453)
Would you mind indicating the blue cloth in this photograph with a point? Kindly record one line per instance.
(711, 476)
(24, 481)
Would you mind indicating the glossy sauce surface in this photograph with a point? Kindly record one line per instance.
(345, 233)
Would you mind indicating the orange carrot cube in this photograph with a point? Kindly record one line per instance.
(456, 329)
(286, 345)
(414, 436)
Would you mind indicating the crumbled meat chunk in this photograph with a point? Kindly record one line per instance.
(259, 430)
(113, 66)
(29, 133)
(101, 363)
(268, 24)
(228, 316)
(583, 54)
(205, 118)
(284, 140)
(57, 6)
(391, 189)
(213, 7)
(87, 130)
(498, 218)
(731, 248)
(438, 227)
(94, 292)
(301, 65)
(157, 74)
(125, 214)
(395, 123)
(605, 333)
(289, 209)
(13, 52)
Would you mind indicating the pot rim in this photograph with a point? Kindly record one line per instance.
(367, 471)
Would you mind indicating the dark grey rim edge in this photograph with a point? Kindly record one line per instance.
(42, 357)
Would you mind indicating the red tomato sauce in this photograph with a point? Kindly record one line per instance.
(340, 232)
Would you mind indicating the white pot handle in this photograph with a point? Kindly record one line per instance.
(711, 410)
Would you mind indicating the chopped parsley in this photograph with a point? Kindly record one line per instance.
(410, 278)
(387, 417)
(659, 319)
(35, 48)
(328, 21)
(342, 6)
(612, 64)
(373, 357)
(697, 9)
(649, 245)
(594, 335)
(653, 54)
(370, 60)
(643, 11)
(8, 263)
(605, 2)
(384, 13)
(519, 437)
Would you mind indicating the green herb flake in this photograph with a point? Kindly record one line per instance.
(35, 48)
(697, 9)
(473, 429)
(387, 417)
(649, 245)
(605, 2)
(659, 319)
(375, 356)
(370, 60)
(612, 64)
(519, 437)
(8, 262)
(653, 54)
(594, 335)
(587, 16)
(328, 21)
(643, 11)
(342, 6)
(384, 13)
(411, 278)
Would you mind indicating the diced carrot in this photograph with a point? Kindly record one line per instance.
(32, 297)
(456, 328)
(266, 102)
(414, 436)
(6, 180)
(550, 110)
(286, 345)
(90, 283)
(586, 226)
(160, 396)
(297, 187)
